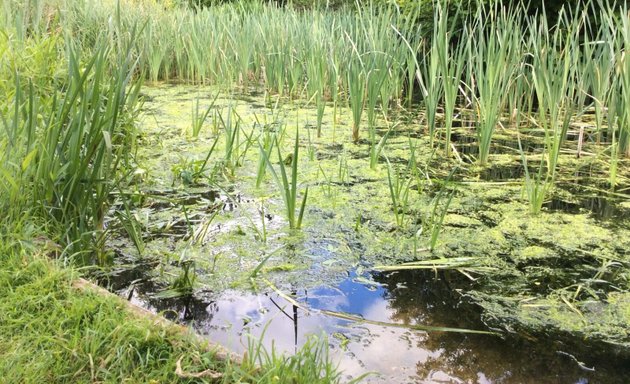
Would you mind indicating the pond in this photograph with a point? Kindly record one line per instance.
(548, 293)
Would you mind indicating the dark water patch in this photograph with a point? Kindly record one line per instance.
(468, 144)
(488, 219)
(245, 98)
(124, 272)
(543, 276)
(146, 97)
(326, 155)
(503, 172)
(355, 180)
(471, 149)
(395, 133)
(600, 207)
(183, 309)
(397, 160)
(334, 147)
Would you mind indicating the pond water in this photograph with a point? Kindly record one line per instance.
(385, 342)
(553, 287)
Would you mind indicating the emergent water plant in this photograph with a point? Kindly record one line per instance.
(289, 187)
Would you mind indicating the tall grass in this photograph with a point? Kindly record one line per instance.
(74, 146)
(492, 56)
(553, 72)
(623, 79)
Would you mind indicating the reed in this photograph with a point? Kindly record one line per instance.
(553, 76)
(199, 117)
(289, 187)
(327, 186)
(623, 79)
(399, 188)
(439, 207)
(356, 80)
(431, 83)
(265, 147)
(491, 56)
(451, 63)
(376, 148)
(232, 126)
(537, 186)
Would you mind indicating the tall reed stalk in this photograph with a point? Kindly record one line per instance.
(491, 57)
(553, 76)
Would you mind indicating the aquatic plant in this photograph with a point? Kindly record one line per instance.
(232, 136)
(536, 186)
(262, 232)
(182, 285)
(614, 161)
(451, 63)
(377, 148)
(235, 148)
(399, 188)
(190, 172)
(623, 80)
(431, 84)
(491, 57)
(289, 188)
(199, 117)
(434, 220)
(553, 77)
(265, 147)
(327, 186)
(131, 226)
(465, 265)
(343, 169)
(321, 106)
(356, 94)
(597, 70)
